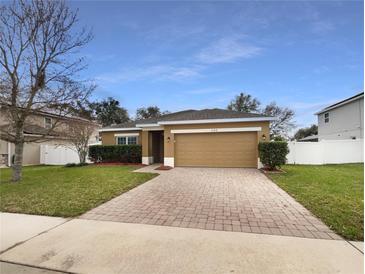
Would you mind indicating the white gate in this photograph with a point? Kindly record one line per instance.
(57, 155)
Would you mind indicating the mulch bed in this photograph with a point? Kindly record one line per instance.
(164, 168)
(119, 164)
(272, 171)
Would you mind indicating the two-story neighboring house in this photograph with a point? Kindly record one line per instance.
(342, 120)
(38, 124)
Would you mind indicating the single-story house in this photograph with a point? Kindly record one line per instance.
(204, 138)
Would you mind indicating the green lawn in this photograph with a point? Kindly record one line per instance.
(334, 193)
(66, 192)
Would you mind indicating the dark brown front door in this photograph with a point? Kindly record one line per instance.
(157, 146)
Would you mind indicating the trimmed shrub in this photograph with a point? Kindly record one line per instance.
(70, 165)
(273, 154)
(75, 165)
(115, 153)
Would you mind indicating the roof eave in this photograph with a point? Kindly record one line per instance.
(210, 121)
(189, 122)
(119, 129)
(340, 104)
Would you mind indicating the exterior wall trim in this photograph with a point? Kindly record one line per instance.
(147, 160)
(211, 121)
(159, 125)
(146, 125)
(152, 128)
(125, 134)
(215, 130)
(119, 129)
(169, 161)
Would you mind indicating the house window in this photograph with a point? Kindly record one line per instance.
(132, 140)
(326, 117)
(47, 122)
(121, 140)
(127, 140)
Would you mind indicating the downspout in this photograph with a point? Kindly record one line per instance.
(361, 122)
(9, 154)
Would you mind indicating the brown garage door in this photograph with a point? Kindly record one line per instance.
(237, 149)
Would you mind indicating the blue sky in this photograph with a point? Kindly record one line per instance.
(183, 55)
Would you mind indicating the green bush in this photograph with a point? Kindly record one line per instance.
(75, 165)
(273, 154)
(115, 153)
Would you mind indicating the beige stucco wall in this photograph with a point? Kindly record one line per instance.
(108, 138)
(146, 143)
(3, 147)
(31, 153)
(145, 138)
(39, 120)
(169, 146)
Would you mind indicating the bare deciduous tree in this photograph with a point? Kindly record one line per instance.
(284, 120)
(79, 134)
(38, 42)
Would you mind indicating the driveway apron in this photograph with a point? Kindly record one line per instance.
(226, 199)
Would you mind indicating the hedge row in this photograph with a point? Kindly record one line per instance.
(273, 154)
(115, 153)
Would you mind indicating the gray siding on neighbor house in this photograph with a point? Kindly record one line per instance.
(345, 122)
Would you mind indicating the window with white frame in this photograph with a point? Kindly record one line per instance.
(47, 122)
(326, 117)
(132, 140)
(126, 140)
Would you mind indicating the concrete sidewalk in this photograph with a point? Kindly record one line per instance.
(87, 246)
(17, 228)
(9, 268)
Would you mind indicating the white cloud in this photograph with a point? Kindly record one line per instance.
(157, 72)
(321, 70)
(227, 50)
(304, 106)
(174, 32)
(100, 57)
(321, 26)
(203, 91)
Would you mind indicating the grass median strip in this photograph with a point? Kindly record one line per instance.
(66, 192)
(334, 193)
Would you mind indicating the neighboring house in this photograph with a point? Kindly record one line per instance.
(206, 138)
(38, 124)
(342, 120)
(311, 138)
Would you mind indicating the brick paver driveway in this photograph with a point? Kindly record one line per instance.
(230, 199)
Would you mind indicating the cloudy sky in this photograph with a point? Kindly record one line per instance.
(184, 55)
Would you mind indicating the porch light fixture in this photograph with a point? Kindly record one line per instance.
(263, 137)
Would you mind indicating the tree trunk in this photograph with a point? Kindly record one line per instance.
(82, 156)
(18, 162)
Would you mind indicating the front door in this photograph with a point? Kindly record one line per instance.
(157, 146)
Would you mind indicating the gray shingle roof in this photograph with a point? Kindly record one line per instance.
(203, 114)
(192, 114)
(123, 125)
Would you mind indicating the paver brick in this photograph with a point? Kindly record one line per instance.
(227, 199)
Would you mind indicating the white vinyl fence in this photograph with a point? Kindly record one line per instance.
(326, 152)
(58, 155)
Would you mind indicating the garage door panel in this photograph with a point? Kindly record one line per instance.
(216, 149)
